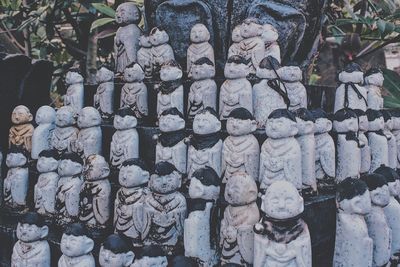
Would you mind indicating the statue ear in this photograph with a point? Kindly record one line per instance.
(30, 117)
(301, 203)
(253, 125)
(89, 244)
(44, 231)
(105, 170)
(329, 124)
(129, 256)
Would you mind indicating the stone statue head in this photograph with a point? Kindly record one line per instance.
(73, 77)
(375, 119)
(150, 256)
(133, 73)
(171, 120)
(240, 122)
(182, 261)
(387, 117)
(378, 189)
(282, 201)
(352, 197)
(392, 178)
(345, 120)
(116, 252)
(170, 71)
(104, 75)
(65, 116)
(48, 161)
(202, 69)
(205, 184)
(75, 241)
(125, 119)
(374, 76)
(305, 121)
(236, 67)
(199, 33)
(166, 179)
(268, 68)
(281, 123)
(241, 189)
(269, 34)
(251, 28)
(290, 74)
(158, 36)
(127, 13)
(322, 123)
(21, 115)
(395, 118)
(31, 227)
(45, 114)
(206, 122)
(89, 117)
(17, 157)
(133, 173)
(70, 164)
(144, 41)
(351, 73)
(95, 168)
(236, 34)
(362, 120)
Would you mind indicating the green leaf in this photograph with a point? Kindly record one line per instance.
(392, 85)
(340, 22)
(100, 22)
(106, 10)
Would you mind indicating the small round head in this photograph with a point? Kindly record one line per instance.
(199, 33)
(89, 117)
(251, 28)
(31, 228)
(282, 201)
(376, 121)
(21, 115)
(241, 189)
(125, 119)
(362, 120)
(240, 122)
(305, 121)
(206, 122)
(133, 173)
(387, 117)
(374, 76)
(127, 13)
(269, 34)
(202, 69)
(345, 120)
(281, 123)
(170, 71)
(151, 256)
(267, 68)
(48, 161)
(72, 77)
(133, 73)
(116, 252)
(392, 178)
(17, 157)
(205, 184)
(104, 75)
(70, 164)
(378, 189)
(352, 197)
(166, 178)
(236, 34)
(290, 73)
(171, 120)
(158, 36)
(144, 41)
(236, 67)
(45, 114)
(96, 168)
(351, 73)
(75, 241)
(65, 116)
(322, 122)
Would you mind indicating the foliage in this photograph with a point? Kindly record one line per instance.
(392, 85)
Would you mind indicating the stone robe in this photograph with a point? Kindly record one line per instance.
(144, 59)
(297, 95)
(21, 135)
(235, 93)
(392, 213)
(202, 94)
(348, 158)
(324, 156)
(365, 153)
(209, 156)
(197, 51)
(104, 99)
(45, 193)
(160, 55)
(124, 145)
(170, 100)
(75, 97)
(175, 154)
(392, 149)
(379, 150)
(34, 254)
(41, 138)
(354, 99)
(375, 99)
(89, 141)
(16, 187)
(307, 148)
(82, 261)
(64, 138)
(253, 50)
(67, 198)
(134, 95)
(126, 45)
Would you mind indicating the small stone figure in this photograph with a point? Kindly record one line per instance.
(125, 140)
(90, 136)
(236, 91)
(31, 249)
(126, 42)
(206, 144)
(378, 227)
(95, 194)
(280, 157)
(104, 97)
(171, 144)
(377, 140)
(22, 130)
(161, 50)
(128, 207)
(281, 237)
(306, 139)
(75, 91)
(373, 79)
(241, 150)
(240, 216)
(16, 182)
(350, 93)
(269, 94)
(144, 56)
(45, 119)
(348, 153)
(353, 246)
(134, 91)
(234, 49)
(270, 37)
(391, 139)
(396, 132)
(199, 47)
(115, 252)
(46, 186)
(200, 228)
(150, 256)
(165, 208)
(363, 126)
(69, 186)
(325, 162)
(170, 93)
(291, 77)
(76, 247)
(65, 134)
(203, 91)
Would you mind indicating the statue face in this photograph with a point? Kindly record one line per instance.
(199, 190)
(201, 72)
(375, 79)
(363, 123)
(159, 37)
(123, 123)
(360, 205)
(65, 116)
(248, 30)
(235, 71)
(380, 196)
(170, 123)
(282, 201)
(89, 117)
(132, 176)
(394, 188)
(206, 123)
(14, 160)
(107, 258)
(170, 73)
(144, 41)
(45, 164)
(290, 73)
(151, 262)
(236, 34)
(348, 125)
(104, 75)
(323, 125)
(280, 128)
(21, 115)
(304, 127)
(165, 184)
(238, 127)
(45, 114)
(75, 246)
(377, 124)
(134, 74)
(127, 13)
(241, 189)
(73, 77)
(96, 168)
(68, 167)
(199, 34)
(269, 33)
(30, 232)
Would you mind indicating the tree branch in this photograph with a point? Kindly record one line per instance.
(394, 40)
